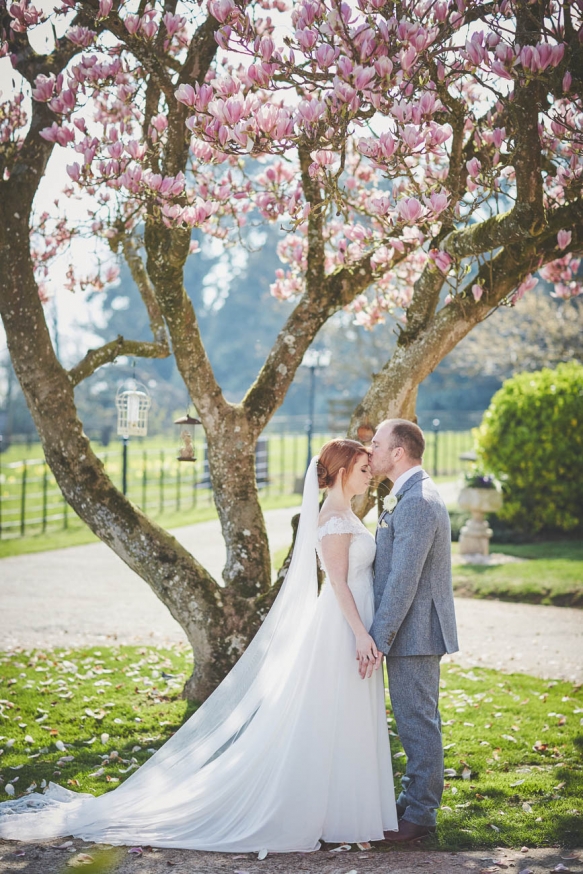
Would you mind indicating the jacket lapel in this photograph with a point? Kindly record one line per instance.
(385, 515)
(416, 478)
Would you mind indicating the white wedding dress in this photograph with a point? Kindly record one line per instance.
(291, 748)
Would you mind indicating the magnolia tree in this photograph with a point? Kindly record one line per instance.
(422, 158)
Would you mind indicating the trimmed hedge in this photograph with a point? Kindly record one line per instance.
(531, 438)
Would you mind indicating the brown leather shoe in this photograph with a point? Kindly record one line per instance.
(409, 831)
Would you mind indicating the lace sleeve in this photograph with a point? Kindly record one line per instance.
(338, 525)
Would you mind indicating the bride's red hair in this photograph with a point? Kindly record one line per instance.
(335, 455)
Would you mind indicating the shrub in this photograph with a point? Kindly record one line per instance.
(531, 438)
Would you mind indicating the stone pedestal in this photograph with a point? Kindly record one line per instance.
(476, 533)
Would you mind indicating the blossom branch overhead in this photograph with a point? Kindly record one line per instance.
(418, 127)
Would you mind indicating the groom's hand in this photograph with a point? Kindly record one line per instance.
(367, 666)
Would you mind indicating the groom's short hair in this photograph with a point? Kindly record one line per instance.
(408, 435)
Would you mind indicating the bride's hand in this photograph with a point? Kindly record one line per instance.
(368, 656)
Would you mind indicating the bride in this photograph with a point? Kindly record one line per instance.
(292, 747)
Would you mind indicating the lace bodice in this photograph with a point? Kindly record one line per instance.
(349, 524)
(361, 550)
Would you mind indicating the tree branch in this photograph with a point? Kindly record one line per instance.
(201, 52)
(424, 302)
(167, 250)
(514, 226)
(275, 377)
(96, 358)
(146, 289)
(524, 112)
(409, 366)
(316, 256)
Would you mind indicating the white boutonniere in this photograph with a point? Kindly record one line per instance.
(390, 502)
(383, 524)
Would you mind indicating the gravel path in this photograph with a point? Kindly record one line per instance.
(43, 859)
(85, 595)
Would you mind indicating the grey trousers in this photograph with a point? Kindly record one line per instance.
(414, 691)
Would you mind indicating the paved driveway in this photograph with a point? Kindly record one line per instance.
(86, 595)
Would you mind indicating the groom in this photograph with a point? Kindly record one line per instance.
(414, 623)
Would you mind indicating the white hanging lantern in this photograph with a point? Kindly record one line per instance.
(132, 405)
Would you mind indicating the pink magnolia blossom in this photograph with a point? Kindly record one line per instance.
(381, 205)
(386, 145)
(306, 38)
(266, 48)
(311, 110)
(55, 134)
(286, 285)
(149, 28)
(223, 35)
(499, 69)
(324, 158)
(477, 291)
(186, 94)
(567, 80)
(442, 260)
(221, 9)
(383, 67)
(74, 171)
(408, 58)
(131, 179)
(410, 209)
(440, 133)
(473, 167)
(498, 136)
(527, 284)
(564, 238)
(24, 15)
(412, 136)
(345, 66)
(115, 150)
(105, 7)
(565, 291)
(368, 146)
(474, 51)
(429, 103)
(81, 36)
(437, 202)
(159, 123)
(363, 76)
(344, 92)
(325, 56)
(173, 23)
(132, 23)
(44, 88)
(64, 103)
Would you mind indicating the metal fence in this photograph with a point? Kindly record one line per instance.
(31, 501)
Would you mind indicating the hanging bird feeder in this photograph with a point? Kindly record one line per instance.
(132, 405)
(187, 425)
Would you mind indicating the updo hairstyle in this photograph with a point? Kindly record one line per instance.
(335, 455)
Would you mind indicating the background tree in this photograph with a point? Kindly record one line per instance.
(547, 333)
(423, 157)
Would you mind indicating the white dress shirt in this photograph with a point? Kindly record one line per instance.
(401, 480)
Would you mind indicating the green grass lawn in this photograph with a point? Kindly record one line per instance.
(514, 744)
(553, 574)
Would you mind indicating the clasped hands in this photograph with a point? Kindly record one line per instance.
(368, 656)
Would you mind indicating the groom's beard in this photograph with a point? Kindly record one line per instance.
(384, 472)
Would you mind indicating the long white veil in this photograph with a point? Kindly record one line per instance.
(151, 805)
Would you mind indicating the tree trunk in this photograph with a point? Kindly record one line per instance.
(231, 454)
(218, 622)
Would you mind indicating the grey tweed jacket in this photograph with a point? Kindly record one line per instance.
(412, 574)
